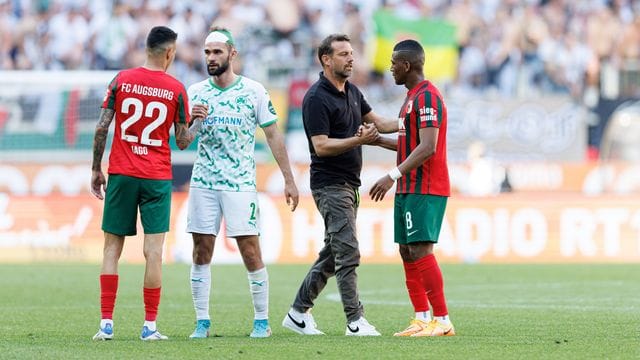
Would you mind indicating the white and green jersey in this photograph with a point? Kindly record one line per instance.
(227, 138)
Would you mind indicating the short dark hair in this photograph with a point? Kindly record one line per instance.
(409, 46)
(159, 37)
(411, 51)
(325, 46)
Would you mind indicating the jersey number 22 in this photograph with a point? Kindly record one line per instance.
(136, 115)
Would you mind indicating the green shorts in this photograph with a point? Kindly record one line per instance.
(418, 217)
(125, 194)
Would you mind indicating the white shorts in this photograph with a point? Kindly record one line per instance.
(207, 208)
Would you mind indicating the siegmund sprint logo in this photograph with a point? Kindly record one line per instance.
(271, 109)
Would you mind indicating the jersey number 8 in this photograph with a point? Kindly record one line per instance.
(137, 115)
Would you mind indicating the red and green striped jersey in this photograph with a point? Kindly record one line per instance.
(422, 108)
(146, 103)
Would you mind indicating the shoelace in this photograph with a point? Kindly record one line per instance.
(434, 324)
(416, 323)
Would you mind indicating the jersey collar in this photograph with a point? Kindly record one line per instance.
(420, 85)
(238, 77)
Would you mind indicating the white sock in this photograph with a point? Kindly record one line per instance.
(200, 290)
(259, 287)
(443, 319)
(151, 325)
(104, 323)
(423, 316)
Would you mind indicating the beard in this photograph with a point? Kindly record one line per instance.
(219, 70)
(399, 79)
(342, 74)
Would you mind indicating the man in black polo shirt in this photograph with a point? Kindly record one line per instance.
(338, 121)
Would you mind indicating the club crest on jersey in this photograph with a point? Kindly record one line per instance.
(409, 107)
(241, 100)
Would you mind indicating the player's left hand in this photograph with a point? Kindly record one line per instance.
(291, 194)
(380, 188)
(98, 183)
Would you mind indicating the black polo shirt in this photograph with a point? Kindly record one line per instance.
(337, 114)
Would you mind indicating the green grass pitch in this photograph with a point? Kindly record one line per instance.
(500, 312)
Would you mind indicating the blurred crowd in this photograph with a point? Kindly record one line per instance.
(513, 46)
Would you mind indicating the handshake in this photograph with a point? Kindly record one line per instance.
(368, 134)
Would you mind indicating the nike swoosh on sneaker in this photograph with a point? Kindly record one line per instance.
(353, 330)
(448, 331)
(299, 324)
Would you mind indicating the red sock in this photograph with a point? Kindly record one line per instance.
(108, 290)
(151, 302)
(415, 287)
(433, 283)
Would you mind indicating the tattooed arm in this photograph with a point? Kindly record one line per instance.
(98, 180)
(183, 135)
(184, 138)
(195, 127)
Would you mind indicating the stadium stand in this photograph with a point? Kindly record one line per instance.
(587, 52)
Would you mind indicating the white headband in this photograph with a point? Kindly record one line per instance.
(216, 36)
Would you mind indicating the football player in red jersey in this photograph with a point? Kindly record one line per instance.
(422, 188)
(145, 102)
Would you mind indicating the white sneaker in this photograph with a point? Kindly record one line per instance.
(301, 323)
(105, 333)
(149, 335)
(361, 327)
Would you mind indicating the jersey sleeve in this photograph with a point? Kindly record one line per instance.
(428, 108)
(109, 101)
(192, 95)
(315, 116)
(183, 112)
(265, 112)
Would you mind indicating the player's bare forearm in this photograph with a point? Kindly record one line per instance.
(385, 126)
(387, 143)
(422, 152)
(199, 112)
(195, 127)
(183, 136)
(100, 138)
(279, 151)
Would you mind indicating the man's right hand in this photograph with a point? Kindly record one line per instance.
(368, 133)
(98, 183)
